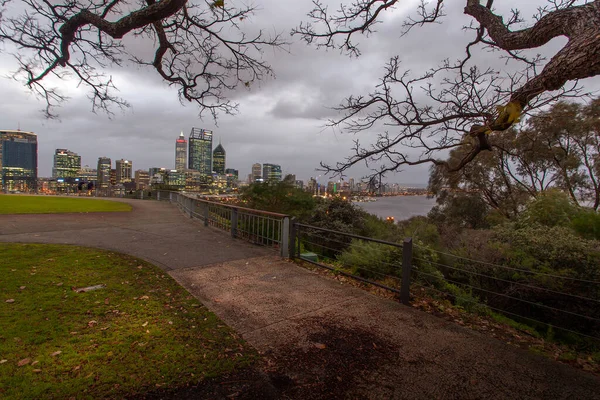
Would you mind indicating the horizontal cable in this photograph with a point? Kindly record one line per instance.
(507, 281)
(348, 235)
(346, 266)
(338, 241)
(510, 297)
(510, 268)
(508, 312)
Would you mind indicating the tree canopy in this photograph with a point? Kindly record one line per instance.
(558, 148)
(457, 104)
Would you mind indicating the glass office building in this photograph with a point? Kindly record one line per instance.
(18, 159)
(200, 151)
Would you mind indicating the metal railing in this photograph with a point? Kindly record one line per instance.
(255, 226)
(329, 245)
(546, 302)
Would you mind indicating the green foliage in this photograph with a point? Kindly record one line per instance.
(550, 208)
(340, 215)
(420, 229)
(280, 197)
(557, 249)
(372, 260)
(587, 224)
(466, 210)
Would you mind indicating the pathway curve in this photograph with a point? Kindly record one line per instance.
(320, 338)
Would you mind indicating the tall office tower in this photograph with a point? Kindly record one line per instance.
(104, 164)
(271, 172)
(200, 154)
(219, 160)
(66, 164)
(123, 173)
(180, 152)
(256, 172)
(142, 179)
(18, 160)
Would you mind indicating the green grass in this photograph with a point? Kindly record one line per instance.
(139, 333)
(13, 204)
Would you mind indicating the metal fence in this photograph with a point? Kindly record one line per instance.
(255, 226)
(363, 261)
(552, 304)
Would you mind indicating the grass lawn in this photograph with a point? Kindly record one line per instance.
(16, 204)
(139, 333)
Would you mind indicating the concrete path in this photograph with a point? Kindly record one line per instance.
(320, 338)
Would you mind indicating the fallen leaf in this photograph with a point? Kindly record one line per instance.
(35, 362)
(10, 300)
(22, 287)
(106, 300)
(3, 361)
(145, 323)
(144, 298)
(59, 284)
(37, 371)
(56, 353)
(92, 323)
(320, 346)
(24, 361)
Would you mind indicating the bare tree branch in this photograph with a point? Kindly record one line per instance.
(464, 104)
(83, 38)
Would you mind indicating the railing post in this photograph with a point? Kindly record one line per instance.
(407, 248)
(285, 238)
(292, 245)
(171, 197)
(234, 221)
(205, 214)
(158, 195)
(192, 207)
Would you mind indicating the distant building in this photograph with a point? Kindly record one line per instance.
(180, 152)
(66, 164)
(200, 151)
(123, 171)
(142, 179)
(88, 174)
(256, 172)
(299, 184)
(157, 175)
(113, 176)
(18, 161)
(232, 177)
(219, 160)
(103, 170)
(271, 172)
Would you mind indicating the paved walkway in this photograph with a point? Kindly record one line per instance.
(320, 338)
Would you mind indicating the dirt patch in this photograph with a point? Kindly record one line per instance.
(330, 362)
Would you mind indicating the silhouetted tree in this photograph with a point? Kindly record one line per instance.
(464, 103)
(199, 47)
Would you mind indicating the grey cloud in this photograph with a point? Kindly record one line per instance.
(280, 120)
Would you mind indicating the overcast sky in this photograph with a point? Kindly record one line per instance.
(279, 121)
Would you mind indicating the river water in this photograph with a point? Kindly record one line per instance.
(399, 207)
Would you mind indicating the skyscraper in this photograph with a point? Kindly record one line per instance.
(104, 164)
(18, 160)
(124, 168)
(200, 153)
(142, 179)
(66, 164)
(180, 152)
(256, 172)
(271, 172)
(219, 160)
